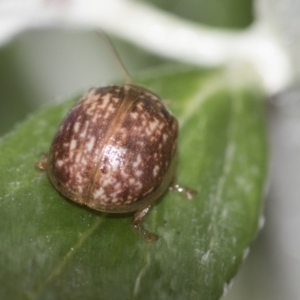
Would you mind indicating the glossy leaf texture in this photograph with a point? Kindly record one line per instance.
(51, 248)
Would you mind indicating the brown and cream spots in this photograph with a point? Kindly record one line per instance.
(115, 150)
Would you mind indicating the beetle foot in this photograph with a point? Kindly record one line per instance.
(187, 192)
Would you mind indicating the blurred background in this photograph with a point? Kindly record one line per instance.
(41, 67)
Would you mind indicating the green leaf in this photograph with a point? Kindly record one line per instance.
(52, 248)
(225, 13)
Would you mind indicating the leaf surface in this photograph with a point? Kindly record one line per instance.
(52, 248)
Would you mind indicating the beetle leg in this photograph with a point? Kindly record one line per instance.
(137, 221)
(43, 163)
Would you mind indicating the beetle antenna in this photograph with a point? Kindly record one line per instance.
(117, 57)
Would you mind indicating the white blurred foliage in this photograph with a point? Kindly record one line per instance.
(283, 16)
(158, 32)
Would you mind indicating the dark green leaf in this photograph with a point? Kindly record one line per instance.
(225, 13)
(53, 249)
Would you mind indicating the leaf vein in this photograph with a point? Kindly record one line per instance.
(228, 160)
(200, 96)
(60, 266)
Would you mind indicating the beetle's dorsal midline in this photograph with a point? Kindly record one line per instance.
(120, 115)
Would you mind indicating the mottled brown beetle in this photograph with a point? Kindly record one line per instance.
(115, 151)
